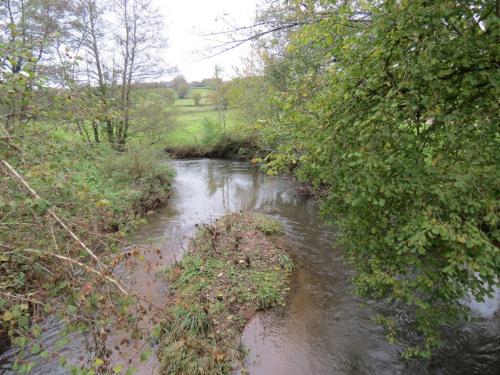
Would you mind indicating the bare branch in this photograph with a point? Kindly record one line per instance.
(80, 264)
(50, 211)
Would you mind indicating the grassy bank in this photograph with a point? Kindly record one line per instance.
(201, 131)
(99, 194)
(194, 124)
(184, 128)
(231, 271)
(237, 148)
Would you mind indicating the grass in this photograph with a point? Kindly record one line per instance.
(96, 183)
(184, 129)
(189, 127)
(203, 91)
(232, 269)
(140, 174)
(99, 193)
(194, 122)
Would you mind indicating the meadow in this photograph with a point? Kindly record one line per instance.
(196, 125)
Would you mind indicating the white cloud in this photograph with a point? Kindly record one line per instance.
(186, 19)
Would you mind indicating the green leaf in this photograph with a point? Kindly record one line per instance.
(35, 349)
(7, 316)
(145, 355)
(98, 362)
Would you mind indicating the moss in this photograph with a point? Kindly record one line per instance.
(231, 270)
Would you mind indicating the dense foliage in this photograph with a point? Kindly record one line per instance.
(67, 197)
(392, 108)
(43, 270)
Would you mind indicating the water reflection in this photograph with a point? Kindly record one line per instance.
(323, 329)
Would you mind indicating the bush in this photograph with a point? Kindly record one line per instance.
(402, 131)
(135, 164)
(197, 98)
(94, 190)
(212, 133)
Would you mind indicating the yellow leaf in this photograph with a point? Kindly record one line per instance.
(7, 316)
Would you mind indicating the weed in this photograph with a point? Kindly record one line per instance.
(268, 225)
(217, 288)
(268, 289)
(285, 262)
(191, 319)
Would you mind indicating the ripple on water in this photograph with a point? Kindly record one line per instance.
(323, 329)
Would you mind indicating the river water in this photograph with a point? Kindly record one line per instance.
(323, 329)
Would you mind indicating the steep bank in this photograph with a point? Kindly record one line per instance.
(235, 149)
(232, 270)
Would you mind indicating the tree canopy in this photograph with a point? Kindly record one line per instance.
(392, 109)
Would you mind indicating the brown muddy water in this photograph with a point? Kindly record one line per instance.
(323, 329)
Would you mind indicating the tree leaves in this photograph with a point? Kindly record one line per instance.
(398, 120)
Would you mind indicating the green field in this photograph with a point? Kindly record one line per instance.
(192, 123)
(179, 122)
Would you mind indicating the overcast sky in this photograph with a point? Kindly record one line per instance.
(186, 19)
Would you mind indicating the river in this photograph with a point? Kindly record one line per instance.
(323, 329)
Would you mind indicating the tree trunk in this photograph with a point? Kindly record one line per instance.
(87, 136)
(95, 128)
(110, 131)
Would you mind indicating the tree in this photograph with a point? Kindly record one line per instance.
(140, 39)
(250, 98)
(195, 84)
(197, 98)
(151, 116)
(89, 39)
(31, 34)
(168, 96)
(391, 107)
(217, 98)
(211, 82)
(180, 85)
(183, 90)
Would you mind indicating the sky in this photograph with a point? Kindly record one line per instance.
(185, 20)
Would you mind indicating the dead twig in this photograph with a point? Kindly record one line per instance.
(50, 211)
(80, 264)
(21, 298)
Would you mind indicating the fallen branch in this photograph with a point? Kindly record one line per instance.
(50, 211)
(21, 298)
(9, 139)
(6, 246)
(80, 264)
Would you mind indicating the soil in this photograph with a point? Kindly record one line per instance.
(233, 269)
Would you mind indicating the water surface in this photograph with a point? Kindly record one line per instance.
(323, 329)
